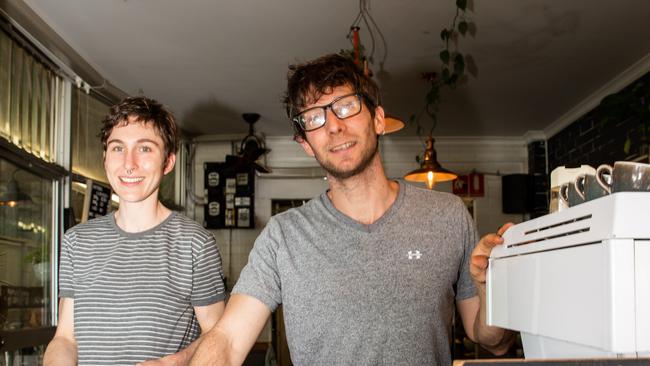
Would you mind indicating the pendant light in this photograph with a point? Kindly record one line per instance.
(393, 123)
(430, 170)
(12, 194)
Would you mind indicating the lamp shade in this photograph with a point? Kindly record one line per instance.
(393, 124)
(430, 170)
(13, 195)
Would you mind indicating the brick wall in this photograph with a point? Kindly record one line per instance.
(539, 177)
(617, 129)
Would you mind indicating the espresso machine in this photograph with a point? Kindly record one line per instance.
(576, 283)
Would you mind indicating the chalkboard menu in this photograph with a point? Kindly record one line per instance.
(97, 200)
(230, 189)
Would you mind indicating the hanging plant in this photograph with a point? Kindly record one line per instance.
(453, 69)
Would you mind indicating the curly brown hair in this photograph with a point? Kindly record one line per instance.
(144, 110)
(308, 81)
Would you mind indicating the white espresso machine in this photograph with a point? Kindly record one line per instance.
(576, 283)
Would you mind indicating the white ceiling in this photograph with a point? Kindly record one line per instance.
(210, 61)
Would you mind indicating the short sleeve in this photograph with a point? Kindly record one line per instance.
(66, 267)
(260, 277)
(465, 285)
(207, 272)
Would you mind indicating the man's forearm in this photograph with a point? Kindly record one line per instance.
(180, 358)
(214, 348)
(494, 339)
(60, 352)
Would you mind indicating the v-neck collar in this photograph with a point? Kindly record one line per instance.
(350, 222)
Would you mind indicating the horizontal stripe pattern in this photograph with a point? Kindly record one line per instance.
(134, 293)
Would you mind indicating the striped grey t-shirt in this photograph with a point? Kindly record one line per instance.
(134, 293)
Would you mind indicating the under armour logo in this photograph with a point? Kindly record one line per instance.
(414, 254)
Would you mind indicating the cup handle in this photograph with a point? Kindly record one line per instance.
(599, 177)
(579, 186)
(564, 188)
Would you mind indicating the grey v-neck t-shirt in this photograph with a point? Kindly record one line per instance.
(355, 294)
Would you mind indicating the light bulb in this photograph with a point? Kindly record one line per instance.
(430, 181)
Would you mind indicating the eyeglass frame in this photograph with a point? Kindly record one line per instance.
(362, 99)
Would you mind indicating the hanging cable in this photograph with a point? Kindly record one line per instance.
(364, 16)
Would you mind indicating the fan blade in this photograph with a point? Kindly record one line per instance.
(261, 168)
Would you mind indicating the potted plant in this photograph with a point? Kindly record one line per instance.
(39, 258)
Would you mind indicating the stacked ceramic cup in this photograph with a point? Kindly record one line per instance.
(561, 175)
(624, 176)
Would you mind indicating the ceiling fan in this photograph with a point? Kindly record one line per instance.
(253, 147)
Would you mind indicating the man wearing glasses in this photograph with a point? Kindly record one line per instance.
(368, 272)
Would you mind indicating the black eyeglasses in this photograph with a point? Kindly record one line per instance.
(343, 107)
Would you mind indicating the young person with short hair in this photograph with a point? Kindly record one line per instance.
(140, 283)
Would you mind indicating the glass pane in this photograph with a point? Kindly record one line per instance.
(26, 117)
(87, 152)
(5, 83)
(25, 243)
(55, 125)
(35, 110)
(46, 120)
(25, 103)
(23, 357)
(14, 109)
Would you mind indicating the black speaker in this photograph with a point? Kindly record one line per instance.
(517, 194)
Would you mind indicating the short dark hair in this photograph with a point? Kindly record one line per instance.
(308, 81)
(144, 110)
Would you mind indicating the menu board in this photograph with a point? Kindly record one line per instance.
(96, 201)
(230, 189)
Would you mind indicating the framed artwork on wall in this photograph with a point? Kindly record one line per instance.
(230, 190)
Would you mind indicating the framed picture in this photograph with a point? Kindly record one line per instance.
(229, 187)
(230, 201)
(96, 200)
(243, 217)
(230, 217)
(213, 179)
(242, 179)
(214, 208)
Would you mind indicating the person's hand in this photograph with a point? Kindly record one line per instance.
(478, 262)
(165, 361)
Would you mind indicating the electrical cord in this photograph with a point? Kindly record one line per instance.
(363, 16)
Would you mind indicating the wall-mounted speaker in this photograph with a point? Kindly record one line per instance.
(517, 193)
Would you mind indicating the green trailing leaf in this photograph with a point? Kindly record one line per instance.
(627, 146)
(462, 27)
(432, 95)
(450, 75)
(444, 34)
(444, 57)
(445, 76)
(429, 97)
(453, 78)
(459, 64)
(417, 159)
